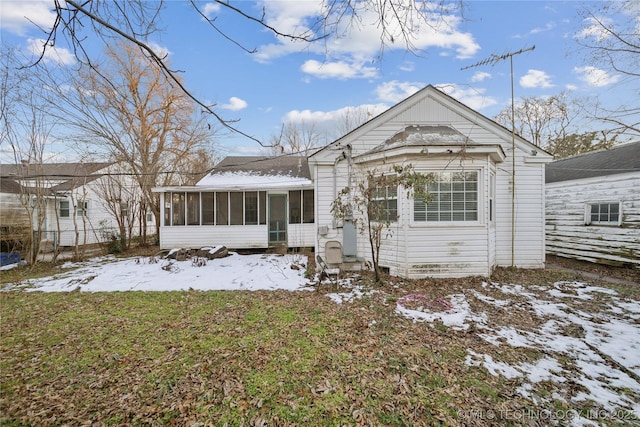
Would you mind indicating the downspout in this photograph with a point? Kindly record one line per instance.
(513, 173)
(335, 179)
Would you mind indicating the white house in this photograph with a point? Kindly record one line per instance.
(244, 202)
(82, 201)
(593, 206)
(487, 208)
(477, 218)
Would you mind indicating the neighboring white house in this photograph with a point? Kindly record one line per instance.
(244, 202)
(80, 200)
(477, 220)
(593, 206)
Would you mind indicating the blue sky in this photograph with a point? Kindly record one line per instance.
(316, 82)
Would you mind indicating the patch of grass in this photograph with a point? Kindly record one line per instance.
(253, 358)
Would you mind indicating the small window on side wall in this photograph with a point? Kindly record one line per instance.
(609, 213)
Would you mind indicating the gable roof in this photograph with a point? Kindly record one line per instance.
(67, 175)
(452, 103)
(259, 172)
(616, 160)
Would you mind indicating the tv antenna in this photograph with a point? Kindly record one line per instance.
(493, 60)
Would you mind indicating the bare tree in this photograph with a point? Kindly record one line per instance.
(134, 21)
(26, 129)
(610, 39)
(140, 119)
(297, 138)
(541, 119)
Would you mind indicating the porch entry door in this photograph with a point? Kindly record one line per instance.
(277, 219)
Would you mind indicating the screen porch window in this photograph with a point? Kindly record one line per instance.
(604, 213)
(301, 206)
(454, 197)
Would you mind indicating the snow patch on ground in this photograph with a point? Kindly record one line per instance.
(235, 272)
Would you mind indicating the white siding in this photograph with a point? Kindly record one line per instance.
(567, 234)
(449, 250)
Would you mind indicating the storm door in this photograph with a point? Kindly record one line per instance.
(277, 219)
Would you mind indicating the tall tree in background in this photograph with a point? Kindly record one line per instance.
(541, 119)
(134, 21)
(574, 144)
(300, 138)
(142, 120)
(26, 131)
(610, 39)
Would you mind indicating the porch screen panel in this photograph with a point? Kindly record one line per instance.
(295, 207)
(307, 206)
(251, 208)
(177, 208)
(236, 212)
(262, 207)
(167, 208)
(193, 208)
(222, 208)
(207, 209)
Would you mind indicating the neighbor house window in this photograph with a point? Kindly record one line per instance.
(454, 197)
(82, 208)
(385, 204)
(64, 209)
(604, 213)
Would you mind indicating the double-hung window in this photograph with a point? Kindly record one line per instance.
(64, 208)
(603, 214)
(82, 208)
(453, 198)
(384, 204)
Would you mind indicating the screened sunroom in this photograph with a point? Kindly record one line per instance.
(244, 202)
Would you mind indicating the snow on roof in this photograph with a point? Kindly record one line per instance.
(254, 180)
(259, 172)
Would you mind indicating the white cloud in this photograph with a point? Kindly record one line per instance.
(596, 77)
(548, 27)
(333, 124)
(594, 28)
(407, 66)
(395, 91)
(358, 42)
(209, 9)
(571, 87)
(472, 97)
(235, 104)
(324, 117)
(161, 51)
(535, 79)
(480, 76)
(20, 16)
(53, 54)
(339, 69)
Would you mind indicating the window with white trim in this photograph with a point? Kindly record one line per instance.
(64, 208)
(385, 204)
(603, 213)
(82, 207)
(454, 197)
